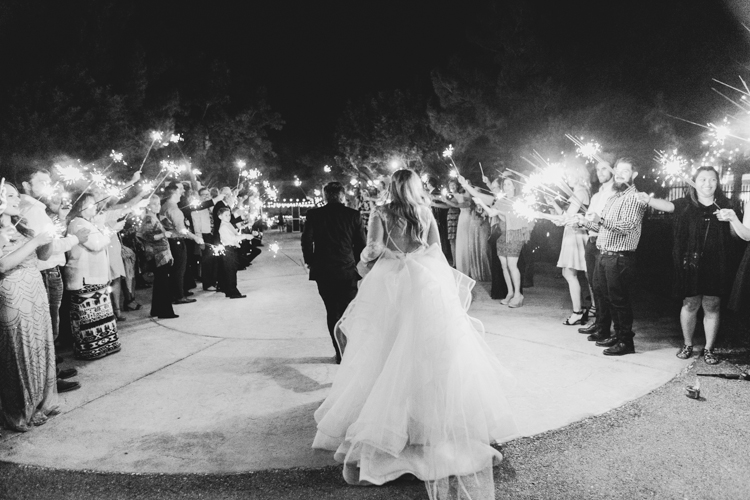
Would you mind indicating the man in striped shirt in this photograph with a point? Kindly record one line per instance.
(619, 228)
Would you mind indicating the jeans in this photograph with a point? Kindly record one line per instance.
(614, 283)
(54, 284)
(336, 295)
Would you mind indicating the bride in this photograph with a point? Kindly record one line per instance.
(418, 390)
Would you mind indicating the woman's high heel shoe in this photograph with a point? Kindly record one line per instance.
(516, 301)
(577, 318)
(506, 300)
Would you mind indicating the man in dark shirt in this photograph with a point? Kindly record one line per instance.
(332, 241)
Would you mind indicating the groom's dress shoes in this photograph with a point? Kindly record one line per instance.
(620, 348)
(608, 342)
(592, 328)
(597, 336)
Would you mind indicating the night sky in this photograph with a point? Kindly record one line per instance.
(313, 56)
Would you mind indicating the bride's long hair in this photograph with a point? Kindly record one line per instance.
(407, 196)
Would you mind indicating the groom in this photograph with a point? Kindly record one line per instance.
(331, 243)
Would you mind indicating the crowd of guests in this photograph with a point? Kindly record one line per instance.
(75, 269)
(484, 237)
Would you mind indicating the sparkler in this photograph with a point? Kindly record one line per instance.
(673, 166)
(218, 250)
(327, 169)
(69, 174)
(589, 150)
(274, 248)
(156, 136)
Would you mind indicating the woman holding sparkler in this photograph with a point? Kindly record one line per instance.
(156, 246)
(702, 256)
(573, 249)
(418, 391)
(86, 276)
(453, 214)
(28, 379)
(461, 249)
(515, 231)
(479, 258)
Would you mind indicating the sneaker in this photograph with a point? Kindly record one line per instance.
(686, 352)
(710, 358)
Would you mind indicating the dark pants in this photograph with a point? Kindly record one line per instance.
(191, 273)
(336, 295)
(228, 271)
(614, 282)
(209, 262)
(161, 300)
(54, 284)
(177, 274)
(249, 253)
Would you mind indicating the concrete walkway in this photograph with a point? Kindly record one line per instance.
(231, 385)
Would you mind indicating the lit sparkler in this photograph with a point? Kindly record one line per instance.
(116, 157)
(589, 150)
(218, 250)
(69, 174)
(327, 169)
(274, 248)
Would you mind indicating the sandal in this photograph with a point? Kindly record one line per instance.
(129, 307)
(710, 358)
(583, 317)
(686, 352)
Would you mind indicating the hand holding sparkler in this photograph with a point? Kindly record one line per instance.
(726, 215)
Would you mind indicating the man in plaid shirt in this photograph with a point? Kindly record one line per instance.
(619, 228)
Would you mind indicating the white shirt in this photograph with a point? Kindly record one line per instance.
(229, 235)
(35, 213)
(599, 200)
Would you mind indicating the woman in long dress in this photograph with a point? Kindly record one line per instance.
(573, 249)
(86, 275)
(28, 379)
(479, 258)
(418, 390)
(462, 254)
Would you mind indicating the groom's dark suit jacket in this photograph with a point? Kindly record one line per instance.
(332, 241)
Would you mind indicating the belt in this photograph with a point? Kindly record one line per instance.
(51, 270)
(622, 253)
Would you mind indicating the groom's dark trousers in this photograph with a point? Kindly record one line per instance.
(331, 244)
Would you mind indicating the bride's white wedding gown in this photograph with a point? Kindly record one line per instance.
(418, 390)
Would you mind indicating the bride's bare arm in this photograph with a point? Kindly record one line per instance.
(375, 244)
(433, 236)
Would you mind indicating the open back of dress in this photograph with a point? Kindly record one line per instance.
(418, 390)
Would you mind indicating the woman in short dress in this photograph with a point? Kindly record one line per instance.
(515, 231)
(702, 256)
(573, 249)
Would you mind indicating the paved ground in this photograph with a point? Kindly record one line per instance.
(221, 400)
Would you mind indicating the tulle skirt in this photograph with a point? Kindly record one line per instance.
(418, 390)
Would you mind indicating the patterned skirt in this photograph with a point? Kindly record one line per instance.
(453, 214)
(93, 322)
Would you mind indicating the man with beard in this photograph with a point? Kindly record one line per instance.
(606, 178)
(619, 229)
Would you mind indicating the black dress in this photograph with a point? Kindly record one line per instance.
(703, 251)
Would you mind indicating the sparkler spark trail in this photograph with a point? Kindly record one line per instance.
(69, 174)
(218, 250)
